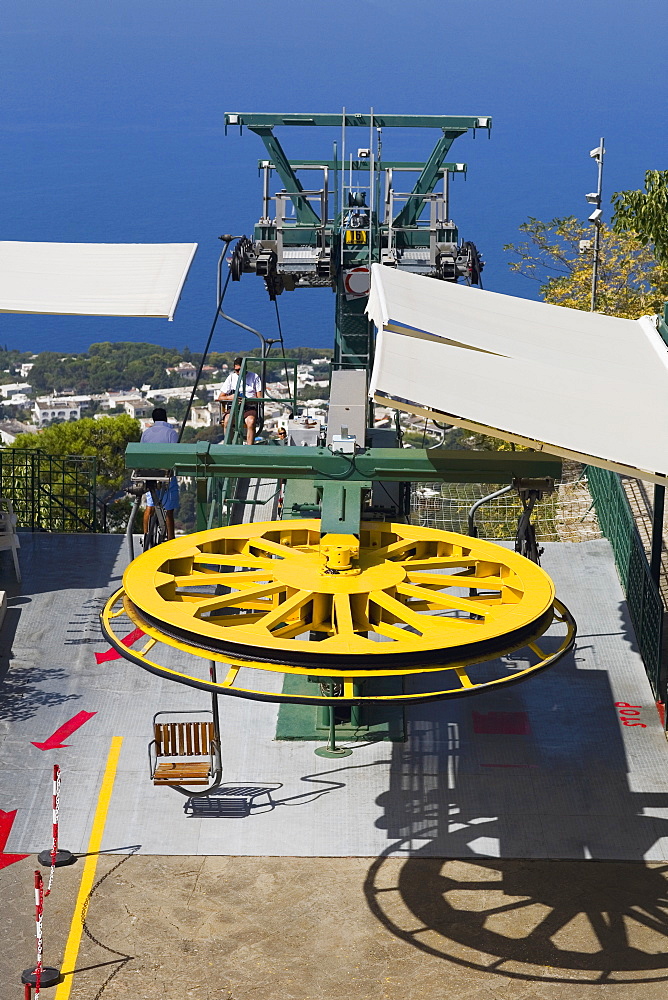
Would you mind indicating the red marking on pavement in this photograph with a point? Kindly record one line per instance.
(629, 715)
(112, 654)
(501, 724)
(6, 823)
(53, 742)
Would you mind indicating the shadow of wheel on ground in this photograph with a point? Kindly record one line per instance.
(547, 921)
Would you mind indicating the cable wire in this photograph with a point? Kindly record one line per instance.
(204, 356)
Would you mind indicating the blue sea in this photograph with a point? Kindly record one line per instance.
(111, 128)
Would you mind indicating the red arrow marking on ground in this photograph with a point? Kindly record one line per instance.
(53, 742)
(111, 654)
(6, 823)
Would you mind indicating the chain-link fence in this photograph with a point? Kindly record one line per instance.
(567, 515)
(642, 593)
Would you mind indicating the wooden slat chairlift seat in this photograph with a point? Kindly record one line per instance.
(184, 753)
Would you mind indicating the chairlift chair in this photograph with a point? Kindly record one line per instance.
(185, 753)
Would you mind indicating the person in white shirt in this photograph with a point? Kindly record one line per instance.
(160, 432)
(251, 389)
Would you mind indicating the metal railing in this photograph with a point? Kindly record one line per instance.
(52, 492)
(642, 594)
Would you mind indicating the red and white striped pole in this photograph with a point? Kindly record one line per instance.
(39, 910)
(54, 858)
(41, 975)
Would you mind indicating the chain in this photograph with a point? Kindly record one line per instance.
(124, 959)
(54, 849)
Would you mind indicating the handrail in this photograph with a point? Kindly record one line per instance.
(33, 470)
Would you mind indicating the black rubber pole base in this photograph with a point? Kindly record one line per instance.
(50, 976)
(62, 858)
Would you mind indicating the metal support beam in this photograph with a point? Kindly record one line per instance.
(253, 120)
(204, 459)
(304, 213)
(426, 182)
(406, 165)
(341, 505)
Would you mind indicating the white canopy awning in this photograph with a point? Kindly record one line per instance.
(93, 279)
(576, 384)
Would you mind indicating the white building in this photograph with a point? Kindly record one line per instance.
(10, 430)
(21, 401)
(205, 416)
(14, 389)
(162, 395)
(46, 410)
(25, 368)
(184, 370)
(117, 400)
(138, 408)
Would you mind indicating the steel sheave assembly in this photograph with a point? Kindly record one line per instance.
(438, 610)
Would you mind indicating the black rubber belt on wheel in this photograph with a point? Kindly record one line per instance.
(485, 649)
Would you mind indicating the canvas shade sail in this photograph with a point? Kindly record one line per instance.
(576, 384)
(93, 279)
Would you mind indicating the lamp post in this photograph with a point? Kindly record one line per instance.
(595, 199)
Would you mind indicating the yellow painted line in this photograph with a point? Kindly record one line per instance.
(90, 866)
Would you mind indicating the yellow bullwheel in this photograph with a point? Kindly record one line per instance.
(401, 600)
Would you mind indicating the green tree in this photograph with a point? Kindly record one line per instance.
(559, 255)
(645, 213)
(106, 439)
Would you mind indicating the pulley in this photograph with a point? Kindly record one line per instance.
(400, 600)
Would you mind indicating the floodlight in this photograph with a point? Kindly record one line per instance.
(593, 197)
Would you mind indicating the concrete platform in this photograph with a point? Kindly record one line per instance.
(542, 770)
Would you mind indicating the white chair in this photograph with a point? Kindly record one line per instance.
(9, 538)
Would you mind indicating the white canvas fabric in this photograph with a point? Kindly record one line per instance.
(576, 384)
(93, 279)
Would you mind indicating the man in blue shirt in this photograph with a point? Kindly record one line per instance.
(160, 432)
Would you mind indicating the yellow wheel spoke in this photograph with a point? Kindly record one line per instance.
(396, 633)
(444, 600)
(436, 562)
(396, 547)
(229, 559)
(343, 613)
(286, 608)
(276, 548)
(292, 630)
(423, 623)
(240, 598)
(224, 579)
(458, 580)
(233, 620)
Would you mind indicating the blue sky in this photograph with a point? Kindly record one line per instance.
(112, 125)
